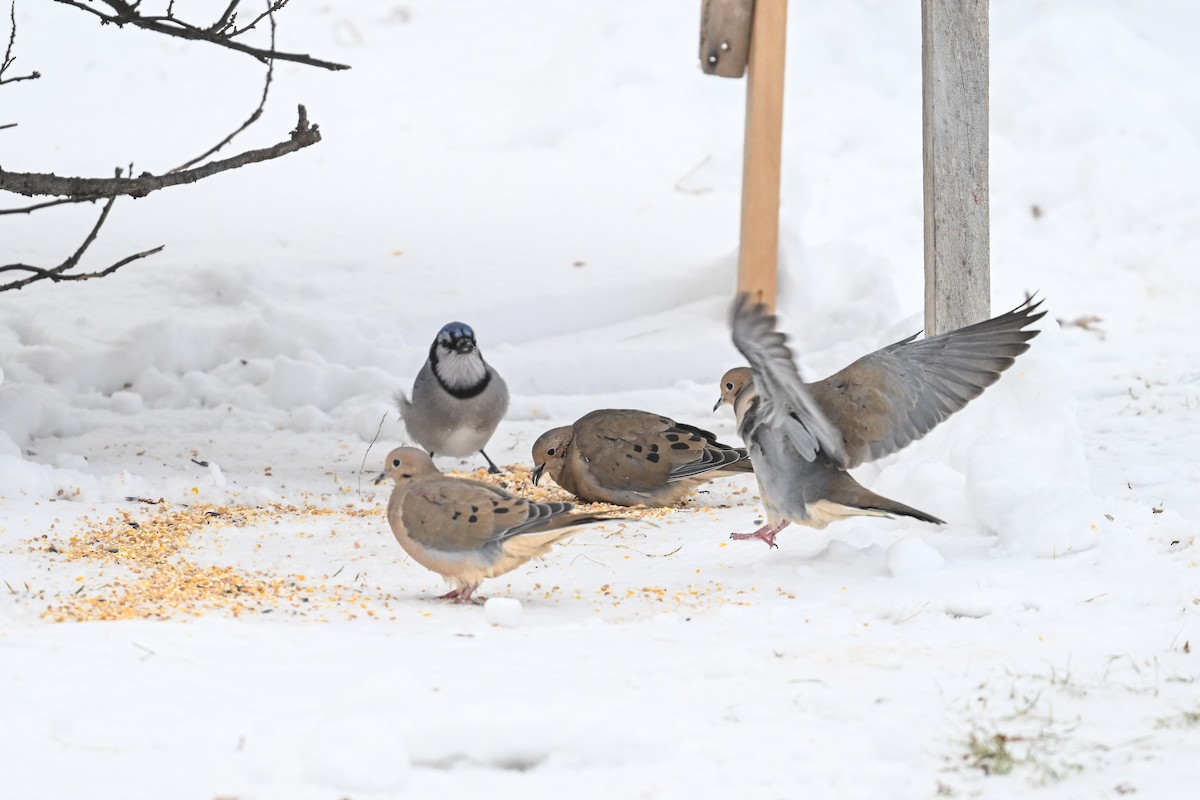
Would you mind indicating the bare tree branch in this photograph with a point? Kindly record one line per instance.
(221, 33)
(62, 201)
(62, 271)
(262, 103)
(222, 24)
(272, 7)
(36, 184)
(80, 190)
(9, 58)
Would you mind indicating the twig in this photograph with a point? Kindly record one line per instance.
(48, 204)
(272, 7)
(220, 34)
(61, 272)
(9, 58)
(254, 116)
(34, 184)
(374, 439)
(702, 190)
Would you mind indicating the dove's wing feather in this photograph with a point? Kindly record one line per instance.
(785, 404)
(886, 400)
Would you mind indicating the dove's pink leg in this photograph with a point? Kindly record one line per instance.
(462, 595)
(766, 533)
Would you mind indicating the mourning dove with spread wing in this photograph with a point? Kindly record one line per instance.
(630, 458)
(803, 437)
(457, 398)
(467, 531)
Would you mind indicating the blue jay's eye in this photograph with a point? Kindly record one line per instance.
(550, 452)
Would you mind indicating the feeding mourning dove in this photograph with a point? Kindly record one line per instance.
(467, 530)
(629, 457)
(457, 398)
(803, 437)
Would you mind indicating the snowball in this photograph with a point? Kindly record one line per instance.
(503, 611)
(912, 556)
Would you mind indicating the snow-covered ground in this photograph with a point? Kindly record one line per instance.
(566, 180)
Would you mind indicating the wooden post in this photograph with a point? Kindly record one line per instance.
(954, 72)
(759, 252)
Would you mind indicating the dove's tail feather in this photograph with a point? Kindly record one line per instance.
(531, 543)
(742, 465)
(892, 507)
(853, 498)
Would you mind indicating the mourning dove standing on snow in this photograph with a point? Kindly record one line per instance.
(629, 457)
(803, 437)
(457, 398)
(467, 530)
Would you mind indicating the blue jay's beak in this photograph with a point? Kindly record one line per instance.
(537, 473)
(464, 345)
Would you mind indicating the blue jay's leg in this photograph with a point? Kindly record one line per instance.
(492, 468)
(766, 533)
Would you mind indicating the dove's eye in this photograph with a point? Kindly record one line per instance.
(729, 386)
(550, 452)
(396, 463)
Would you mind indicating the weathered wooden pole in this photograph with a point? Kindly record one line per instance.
(954, 72)
(724, 26)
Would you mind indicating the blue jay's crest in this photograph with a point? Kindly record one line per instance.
(454, 332)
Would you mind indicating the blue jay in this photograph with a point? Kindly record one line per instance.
(457, 399)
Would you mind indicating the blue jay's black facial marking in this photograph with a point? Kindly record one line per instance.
(457, 363)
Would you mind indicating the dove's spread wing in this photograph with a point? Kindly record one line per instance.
(888, 399)
(785, 405)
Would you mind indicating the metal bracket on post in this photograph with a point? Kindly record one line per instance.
(725, 37)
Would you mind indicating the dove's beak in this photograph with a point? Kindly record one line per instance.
(720, 401)
(537, 473)
(379, 478)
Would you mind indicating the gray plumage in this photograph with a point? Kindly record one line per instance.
(802, 437)
(457, 398)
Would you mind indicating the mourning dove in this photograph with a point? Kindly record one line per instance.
(457, 398)
(467, 530)
(803, 437)
(629, 457)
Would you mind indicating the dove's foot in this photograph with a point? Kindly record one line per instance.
(459, 596)
(766, 534)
